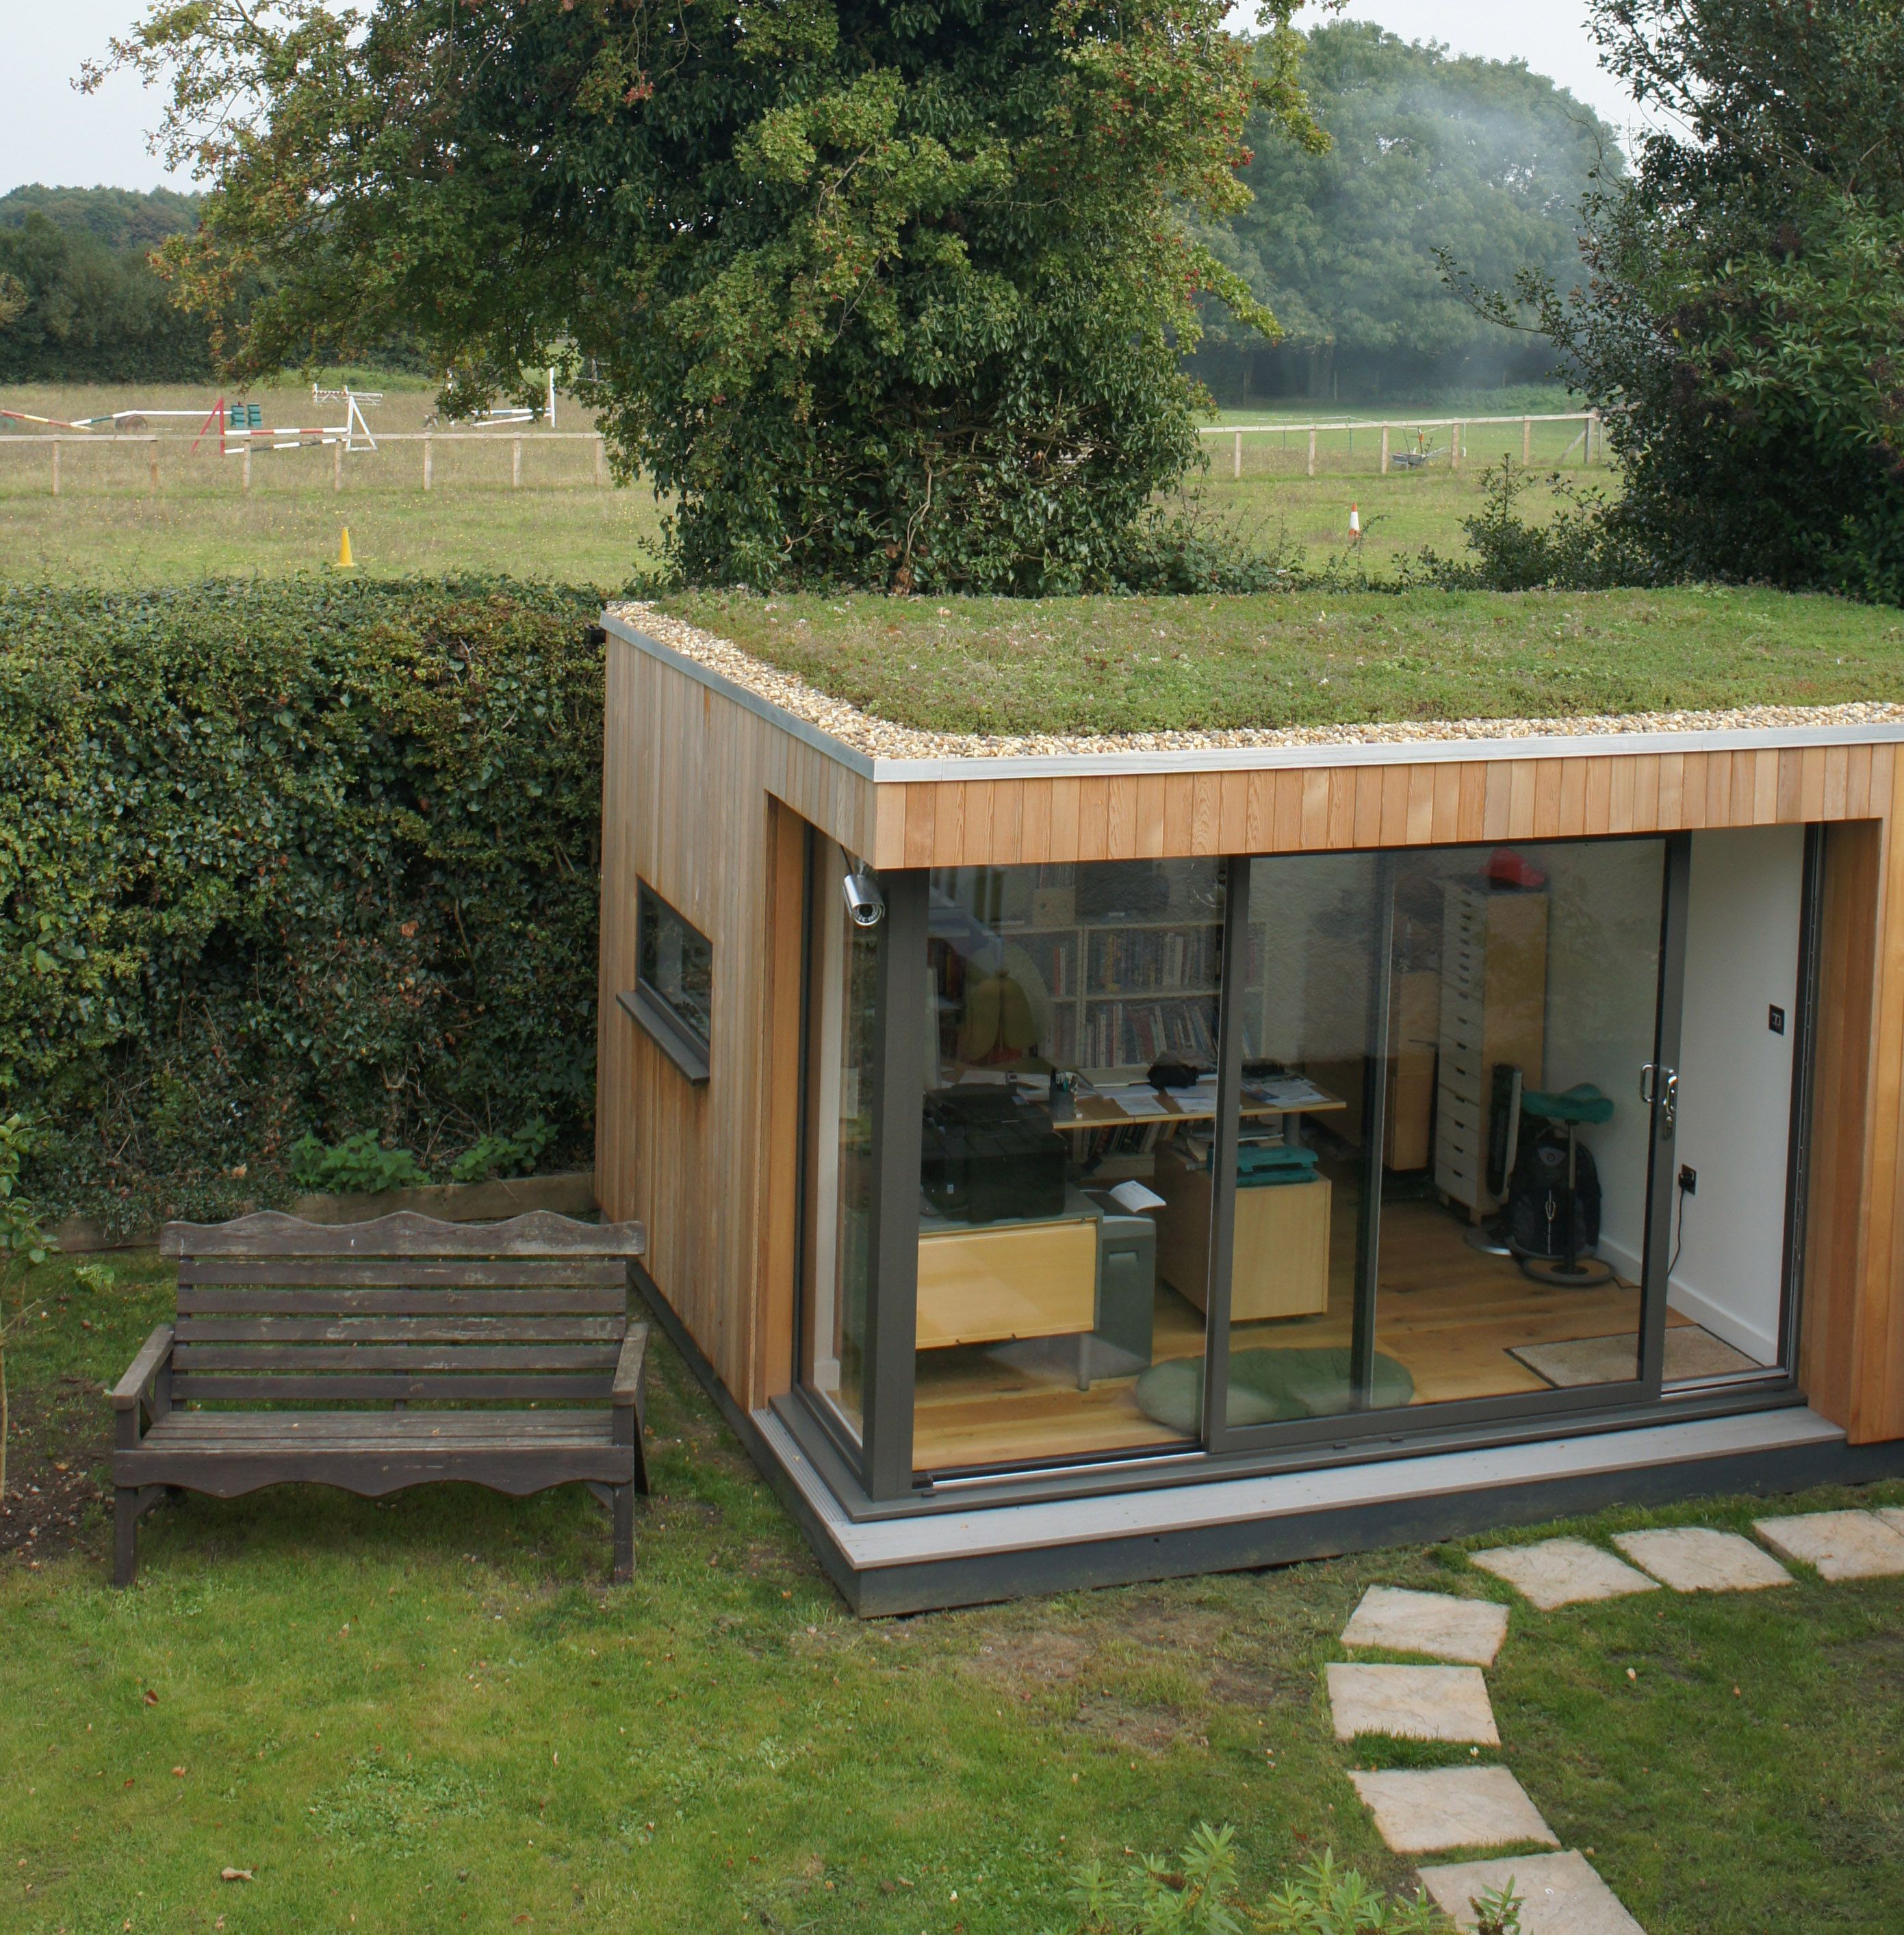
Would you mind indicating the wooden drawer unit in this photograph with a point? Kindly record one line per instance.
(1494, 1002)
(1280, 1264)
(978, 1286)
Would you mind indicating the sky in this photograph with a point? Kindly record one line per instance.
(50, 133)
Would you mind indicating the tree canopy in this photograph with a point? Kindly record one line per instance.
(1482, 158)
(79, 301)
(1743, 321)
(888, 290)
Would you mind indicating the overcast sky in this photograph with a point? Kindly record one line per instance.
(49, 134)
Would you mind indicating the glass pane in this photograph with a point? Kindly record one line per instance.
(677, 965)
(843, 1036)
(1301, 1163)
(1072, 1012)
(1515, 1155)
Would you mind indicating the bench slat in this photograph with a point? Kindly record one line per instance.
(518, 1469)
(271, 1233)
(206, 1429)
(499, 1330)
(399, 1303)
(223, 1387)
(607, 1273)
(397, 1357)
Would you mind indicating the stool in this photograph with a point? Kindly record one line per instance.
(1568, 1108)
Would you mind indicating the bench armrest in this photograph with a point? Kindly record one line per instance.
(153, 1356)
(627, 1387)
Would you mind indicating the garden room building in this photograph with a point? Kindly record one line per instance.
(1092, 1163)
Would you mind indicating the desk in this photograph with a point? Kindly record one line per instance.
(1033, 1277)
(1101, 1111)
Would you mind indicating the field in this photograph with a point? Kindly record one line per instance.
(428, 1713)
(108, 526)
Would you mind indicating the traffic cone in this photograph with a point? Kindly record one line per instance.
(1355, 523)
(344, 561)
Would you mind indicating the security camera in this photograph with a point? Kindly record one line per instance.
(865, 902)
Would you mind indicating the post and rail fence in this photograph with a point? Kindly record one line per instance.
(429, 439)
(1590, 440)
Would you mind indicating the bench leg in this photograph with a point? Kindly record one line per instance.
(125, 1534)
(624, 1522)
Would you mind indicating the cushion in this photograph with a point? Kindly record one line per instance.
(1267, 1387)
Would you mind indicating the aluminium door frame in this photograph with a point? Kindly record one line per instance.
(1361, 1423)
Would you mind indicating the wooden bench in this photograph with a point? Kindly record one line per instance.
(513, 1337)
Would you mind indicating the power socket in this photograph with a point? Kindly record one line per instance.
(1688, 1179)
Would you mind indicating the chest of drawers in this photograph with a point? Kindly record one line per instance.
(1494, 982)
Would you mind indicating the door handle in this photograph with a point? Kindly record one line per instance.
(1668, 1103)
(1646, 1077)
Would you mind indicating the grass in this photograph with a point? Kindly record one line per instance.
(1111, 665)
(429, 1714)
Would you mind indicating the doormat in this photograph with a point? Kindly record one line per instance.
(1691, 1351)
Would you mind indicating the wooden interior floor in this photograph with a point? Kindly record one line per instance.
(1450, 1314)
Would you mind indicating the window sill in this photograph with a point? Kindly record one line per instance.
(661, 1027)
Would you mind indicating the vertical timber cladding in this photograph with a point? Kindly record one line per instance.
(693, 785)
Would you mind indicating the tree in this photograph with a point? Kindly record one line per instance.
(80, 302)
(886, 291)
(1481, 158)
(1742, 323)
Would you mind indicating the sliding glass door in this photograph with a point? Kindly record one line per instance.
(1452, 1102)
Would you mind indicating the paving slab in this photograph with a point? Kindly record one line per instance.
(1470, 1630)
(1430, 1810)
(1839, 1544)
(1892, 1515)
(1696, 1558)
(1562, 1572)
(1411, 1703)
(1560, 1895)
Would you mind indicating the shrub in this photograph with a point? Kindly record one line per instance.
(311, 860)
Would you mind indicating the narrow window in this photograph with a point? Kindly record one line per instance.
(673, 996)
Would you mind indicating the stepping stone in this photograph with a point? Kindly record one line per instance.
(1695, 1558)
(1892, 1515)
(1436, 1623)
(1412, 1703)
(1839, 1544)
(1562, 1572)
(1429, 1811)
(1560, 1895)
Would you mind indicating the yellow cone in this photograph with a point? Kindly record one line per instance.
(344, 561)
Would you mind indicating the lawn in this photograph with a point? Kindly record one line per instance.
(430, 1714)
(1117, 665)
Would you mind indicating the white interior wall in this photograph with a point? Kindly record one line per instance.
(1602, 994)
(1742, 926)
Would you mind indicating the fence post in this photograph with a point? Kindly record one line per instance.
(1385, 450)
(55, 466)
(427, 455)
(336, 466)
(515, 463)
(1526, 442)
(1236, 460)
(601, 452)
(1454, 447)
(1312, 450)
(155, 464)
(245, 479)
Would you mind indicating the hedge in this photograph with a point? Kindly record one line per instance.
(307, 860)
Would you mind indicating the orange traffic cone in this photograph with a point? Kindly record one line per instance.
(1355, 524)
